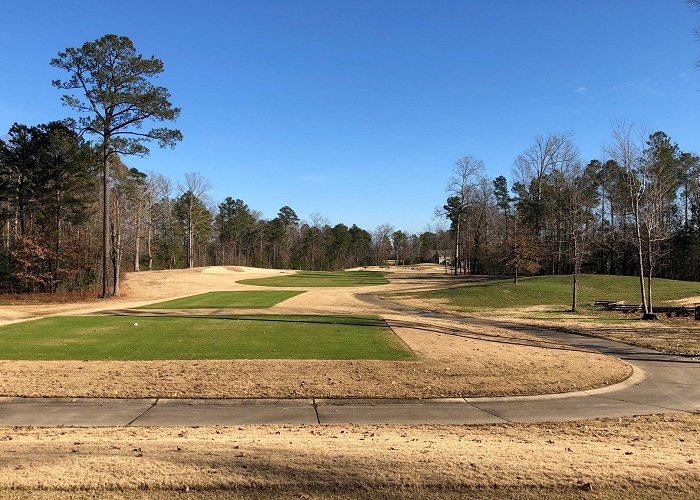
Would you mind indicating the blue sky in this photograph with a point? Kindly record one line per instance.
(358, 109)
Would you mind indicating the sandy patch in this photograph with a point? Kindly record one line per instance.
(221, 270)
(688, 301)
(627, 456)
(146, 287)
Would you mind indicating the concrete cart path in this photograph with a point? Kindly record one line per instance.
(661, 383)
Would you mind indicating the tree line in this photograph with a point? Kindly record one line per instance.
(50, 204)
(74, 216)
(635, 211)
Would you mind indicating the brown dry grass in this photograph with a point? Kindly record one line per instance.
(671, 335)
(629, 457)
(676, 335)
(453, 359)
(10, 299)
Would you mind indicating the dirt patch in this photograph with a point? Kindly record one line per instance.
(627, 456)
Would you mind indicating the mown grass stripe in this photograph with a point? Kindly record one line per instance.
(204, 337)
(227, 300)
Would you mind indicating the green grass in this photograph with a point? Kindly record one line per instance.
(556, 290)
(220, 337)
(227, 300)
(322, 279)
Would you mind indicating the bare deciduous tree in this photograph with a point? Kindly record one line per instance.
(626, 149)
(461, 188)
(382, 243)
(194, 189)
(555, 152)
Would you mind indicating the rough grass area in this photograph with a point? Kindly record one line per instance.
(322, 279)
(637, 457)
(221, 337)
(546, 301)
(227, 300)
(556, 290)
(670, 335)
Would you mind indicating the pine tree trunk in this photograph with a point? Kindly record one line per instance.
(574, 288)
(137, 240)
(149, 246)
(57, 250)
(190, 236)
(515, 253)
(685, 212)
(105, 221)
(457, 239)
(117, 264)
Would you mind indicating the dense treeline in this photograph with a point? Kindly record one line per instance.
(47, 196)
(73, 216)
(634, 212)
(50, 206)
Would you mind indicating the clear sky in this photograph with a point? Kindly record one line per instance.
(358, 109)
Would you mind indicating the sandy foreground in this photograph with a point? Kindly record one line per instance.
(453, 359)
(642, 457)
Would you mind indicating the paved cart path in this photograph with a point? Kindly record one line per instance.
(661, 383)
